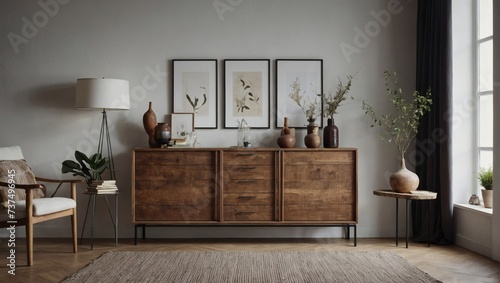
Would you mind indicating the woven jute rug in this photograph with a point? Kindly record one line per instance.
(287, 266)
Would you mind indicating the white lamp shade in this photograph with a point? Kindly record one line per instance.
(109, 94)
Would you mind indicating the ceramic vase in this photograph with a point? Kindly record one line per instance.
(162, 134)
(330, 135)
(487, 198)
(149, 122)
(404, 180)
(286, 140)
(312, 139)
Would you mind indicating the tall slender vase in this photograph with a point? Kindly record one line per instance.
(312, 139)
(330, 135)
(404, 181)
(149, 122)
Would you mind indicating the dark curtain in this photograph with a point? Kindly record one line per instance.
(433, 141)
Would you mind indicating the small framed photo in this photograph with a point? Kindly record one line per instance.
(194, 89)
(182, 124)
(246, 93)
(298, 83)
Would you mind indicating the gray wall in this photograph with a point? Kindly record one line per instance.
(47, 45)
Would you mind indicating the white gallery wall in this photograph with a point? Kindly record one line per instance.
(46, 45)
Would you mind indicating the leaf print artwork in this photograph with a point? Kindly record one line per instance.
(247, 88)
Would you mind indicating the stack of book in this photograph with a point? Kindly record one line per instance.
(103, 187)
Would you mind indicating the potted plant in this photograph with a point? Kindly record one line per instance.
(89, 168)
(400, 127)
(485, 177)
(330, 105)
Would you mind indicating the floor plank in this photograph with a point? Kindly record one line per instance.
(54, 260)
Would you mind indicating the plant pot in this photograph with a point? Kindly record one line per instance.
(312, 139)
(487, 198)
(330, 135)
(404, 180)
(286, 140)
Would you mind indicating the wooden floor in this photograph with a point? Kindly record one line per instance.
(54, 259)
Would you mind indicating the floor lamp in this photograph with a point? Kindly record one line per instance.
(103, 94)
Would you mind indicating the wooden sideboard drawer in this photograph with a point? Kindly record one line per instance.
(340, 212)
(249, 198)
(174, 157)
(180, 172)
(248, 157)
(249, 213)
(162, 212)
(248, 172)
(321, 157)
(245, 186)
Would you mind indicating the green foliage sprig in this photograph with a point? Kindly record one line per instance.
(194, 104)
(89, 168)
(332, 102)
(402, 125)
(485, 176)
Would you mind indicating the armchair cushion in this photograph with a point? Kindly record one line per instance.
(41, 206)
(22, 174)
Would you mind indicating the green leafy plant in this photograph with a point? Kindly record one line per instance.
(89, 168)
(485, 177)
(241, 102)
(332, 102)
(401, 126)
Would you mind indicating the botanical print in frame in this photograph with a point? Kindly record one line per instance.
(298, 80)
(181, 125)
(194, 90)
(246, 90)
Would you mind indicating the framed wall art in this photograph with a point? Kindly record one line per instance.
(194, 89)
(246, 92)
(181, 125)
(298, 83)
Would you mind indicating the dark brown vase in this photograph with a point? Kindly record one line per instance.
(149, 122)
(330, 135)
(162, 134)
(312, 139)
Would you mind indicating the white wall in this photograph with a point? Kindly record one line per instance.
(57, 42)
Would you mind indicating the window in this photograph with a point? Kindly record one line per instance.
(484, 83)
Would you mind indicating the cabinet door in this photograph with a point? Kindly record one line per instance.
(175, 185)
(319, 186)
(249, 186)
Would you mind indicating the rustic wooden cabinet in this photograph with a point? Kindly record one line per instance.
(256, 187)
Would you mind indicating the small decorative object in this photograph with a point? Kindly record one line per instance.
(286, 140)
(401, 127)
(244, 137)
(182, 124)
(89, 168)
(149, 122)
(330, 105)
(485, 177)
(312, 139)
(474, 200)
(162, 134)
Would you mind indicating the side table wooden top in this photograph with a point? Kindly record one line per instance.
(418, 195)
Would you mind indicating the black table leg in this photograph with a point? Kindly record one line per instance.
(397, 222)
(407, 220)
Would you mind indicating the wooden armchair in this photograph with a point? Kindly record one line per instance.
(23, 199)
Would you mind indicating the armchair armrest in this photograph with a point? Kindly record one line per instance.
(22, 186)
(58, 181)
